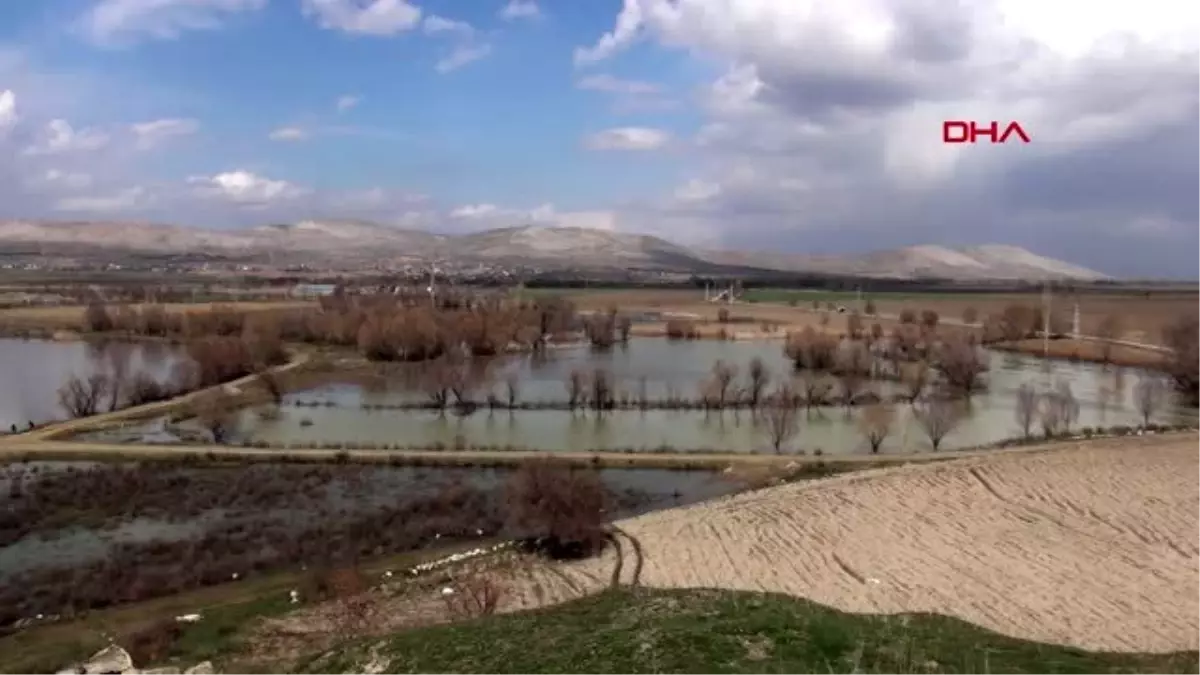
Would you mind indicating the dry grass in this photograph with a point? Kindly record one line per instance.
(1081, 350)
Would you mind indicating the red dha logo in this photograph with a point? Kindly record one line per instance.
(956, 131)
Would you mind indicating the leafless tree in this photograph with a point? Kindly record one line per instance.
(435, 381)
(938, 417)
(271, 383)
(1183, 363)
(215, 413)
(876, 423)
(512, 390)
(813, 387)
(961, 364)
(558, 509)
(915, 377)
(478, 594)
(780, 417)
(929, 319)
(602, 391)
(1059, 410)
(757, 379)
(854, 325)
(1149, 395)
(723, 375)
(1109, 329)
(576, 386)
(81, 397)
(1027, 408)
(118, 359)
(970, 315)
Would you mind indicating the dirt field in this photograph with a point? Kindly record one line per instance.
(1143, 318)
(1093, 545)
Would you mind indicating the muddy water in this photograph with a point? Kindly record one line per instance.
(637, 491)
(1104, 395)
(31, 372)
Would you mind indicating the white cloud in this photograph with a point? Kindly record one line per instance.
(8, 110)
(435, 24)
(520, 9)
(822, 104)
(246, 188)
(59, 137)
(627, 138)
(151, 134)
(474, 211)
(66, 179)
(288, 134)
(347, 102)
(462, 55)
(364, 17)
(123, 200)
(613, 85)
(120, 21)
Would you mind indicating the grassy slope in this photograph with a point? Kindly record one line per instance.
(720, 631)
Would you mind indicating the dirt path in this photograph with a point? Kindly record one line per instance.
(1090, 546)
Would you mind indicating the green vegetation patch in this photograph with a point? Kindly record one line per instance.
(639, 630)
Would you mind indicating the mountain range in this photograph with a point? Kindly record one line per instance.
(357, 242)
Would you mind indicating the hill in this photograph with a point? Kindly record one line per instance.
(359, 242)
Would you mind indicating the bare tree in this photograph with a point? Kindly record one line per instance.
(512, 389)
(215, 414)
(723, 375)
(1182, 337)
(961, 364)
(576, 385)
(1059, 410)
(118, 359)
(915, 377)
(81, 397)
(757, 378)
(813, 387)
(602, 390)
(970, 315)
(853, 369)
(876, 423)
(557, 509)
(854, 325)
(1027, 409)
(938, 417)
(780, 416)
(270, 381)
(1109, 329)
(478, 594)
(1149, 395)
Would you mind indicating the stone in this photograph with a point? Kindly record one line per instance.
(112, 660)
(202, 668)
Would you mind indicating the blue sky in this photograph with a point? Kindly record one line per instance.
(766, 124)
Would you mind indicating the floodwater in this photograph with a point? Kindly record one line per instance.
(638, 491)
(31, 372)
(351, 414)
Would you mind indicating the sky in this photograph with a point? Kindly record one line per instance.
(782, 125)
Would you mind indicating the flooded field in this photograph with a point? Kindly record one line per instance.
(359, 414)
(88, 534)
(31, 372)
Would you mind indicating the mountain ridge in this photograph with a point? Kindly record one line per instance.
(532, 245)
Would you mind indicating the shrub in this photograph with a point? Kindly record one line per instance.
(557, 510)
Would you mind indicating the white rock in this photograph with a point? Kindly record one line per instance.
(447, 591)
(111, 659)
(202, 668)
(188, 618)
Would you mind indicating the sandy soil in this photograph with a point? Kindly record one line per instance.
(1092, 544)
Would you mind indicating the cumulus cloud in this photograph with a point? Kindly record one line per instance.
(59, 137)
(151, 134)
(627, 138)
(123, 21)
(824, 130)
(435, 24)
(462, 55)
(245, 188)
(520, 9)
(364, 17)
(8, 110)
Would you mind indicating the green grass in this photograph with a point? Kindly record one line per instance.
(631, 631)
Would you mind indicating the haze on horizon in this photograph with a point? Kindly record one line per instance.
(783, 125)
